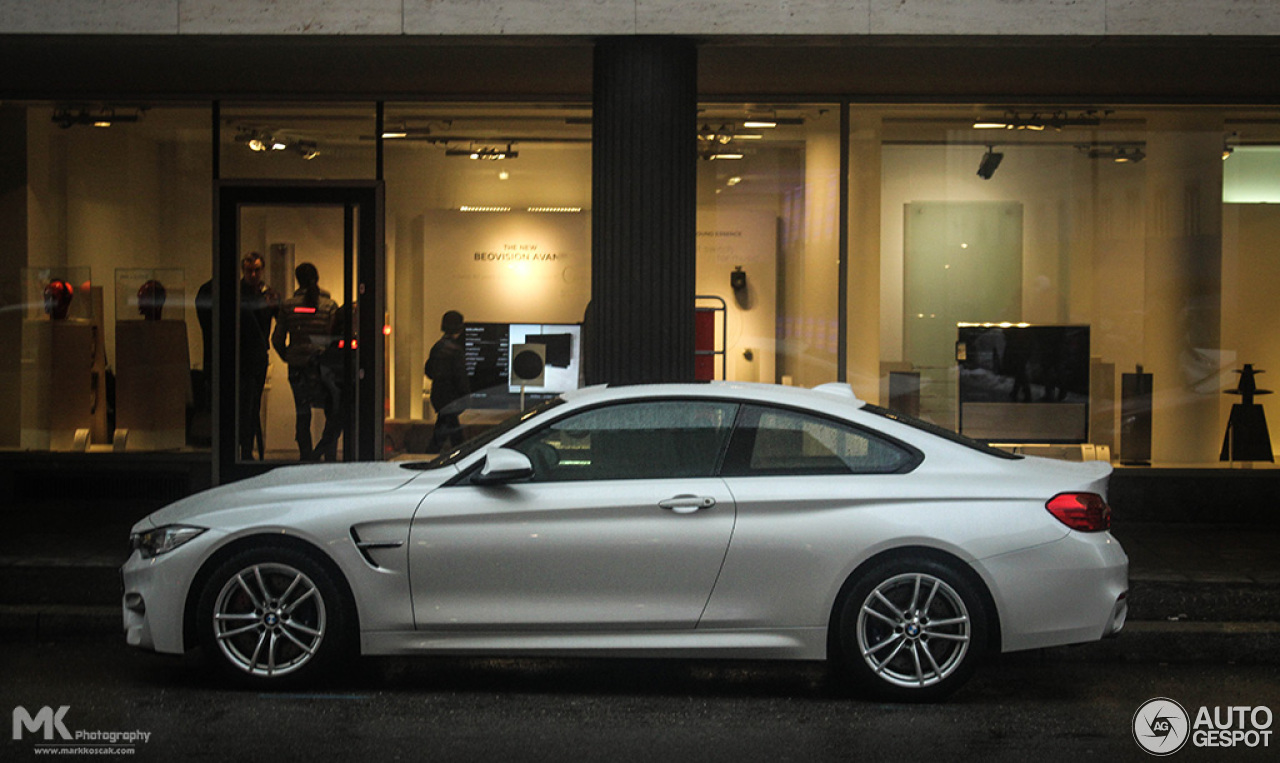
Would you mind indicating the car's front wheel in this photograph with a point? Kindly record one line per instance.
(272, 615)
(912, 629)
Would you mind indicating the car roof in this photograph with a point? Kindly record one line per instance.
(822, 397)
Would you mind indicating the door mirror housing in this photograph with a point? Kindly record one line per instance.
(501, 466)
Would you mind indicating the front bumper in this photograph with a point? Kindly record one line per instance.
(155, 594)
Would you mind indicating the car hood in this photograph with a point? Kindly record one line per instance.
(290, 484)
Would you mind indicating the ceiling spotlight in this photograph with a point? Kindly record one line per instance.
(990, 161)
(722, 135)
(1129, 155)
(1120, 154)
(760, 124)
(486, 153)
(1012, 120)
(67, 118)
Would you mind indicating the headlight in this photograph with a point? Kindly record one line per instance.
(162, 539)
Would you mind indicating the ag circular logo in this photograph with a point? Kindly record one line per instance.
(1160, 726)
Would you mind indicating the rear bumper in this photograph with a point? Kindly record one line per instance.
(1070, 591)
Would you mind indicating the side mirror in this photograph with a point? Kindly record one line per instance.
(503, 465)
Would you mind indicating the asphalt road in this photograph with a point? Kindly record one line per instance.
(1021, 707)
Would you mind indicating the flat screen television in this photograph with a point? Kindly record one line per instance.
(488, 358)
(1020, 383)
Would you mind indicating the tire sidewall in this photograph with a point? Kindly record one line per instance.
(334, 645)
(849, 655)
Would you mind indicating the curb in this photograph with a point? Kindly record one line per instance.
(1181, 642)
(43, 622)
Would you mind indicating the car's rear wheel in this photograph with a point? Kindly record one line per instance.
(272, 615)
(912, 629)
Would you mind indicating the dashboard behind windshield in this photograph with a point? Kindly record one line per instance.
(483, 439)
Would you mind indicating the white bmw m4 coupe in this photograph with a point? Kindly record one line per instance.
(707, 521)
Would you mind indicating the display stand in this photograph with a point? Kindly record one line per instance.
(100, 431)
(1247, 438)
(1135, 418)
(152, 383)
(57, 382)
(904, 392)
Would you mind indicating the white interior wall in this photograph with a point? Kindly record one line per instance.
(1250, 315)
(1078, 235)
(117, 198)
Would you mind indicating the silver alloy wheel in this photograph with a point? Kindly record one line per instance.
(269, 619)
(913, 630)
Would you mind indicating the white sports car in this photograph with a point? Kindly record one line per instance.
(710, 520)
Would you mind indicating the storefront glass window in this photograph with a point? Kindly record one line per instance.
(1038, 267)
(101, 260)
(768, 242)
(487, 214)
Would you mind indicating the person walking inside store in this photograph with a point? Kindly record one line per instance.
(447, 369)
(258, 306)
(304, 328)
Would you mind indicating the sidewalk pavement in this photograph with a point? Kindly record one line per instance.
(1198, 592)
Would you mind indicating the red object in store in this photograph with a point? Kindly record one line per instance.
(57, 298)
(704, 345)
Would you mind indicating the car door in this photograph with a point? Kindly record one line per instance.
(623, 526)
(811, 493)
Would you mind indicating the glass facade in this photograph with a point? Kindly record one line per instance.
(834, 241)
(488, 214)
(768, 239)
(106, 209)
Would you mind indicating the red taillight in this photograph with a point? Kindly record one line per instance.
(1086, 512)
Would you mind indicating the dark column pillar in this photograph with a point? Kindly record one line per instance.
(13, 257)
(640, 326)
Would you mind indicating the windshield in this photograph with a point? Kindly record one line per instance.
(484, 438)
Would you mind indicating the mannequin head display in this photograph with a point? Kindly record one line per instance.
(57, 298)
(151, 296)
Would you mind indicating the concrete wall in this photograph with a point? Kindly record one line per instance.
(623, 17)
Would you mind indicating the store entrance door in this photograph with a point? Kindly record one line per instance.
(298, 318)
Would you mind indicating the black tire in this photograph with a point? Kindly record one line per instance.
(911, 629)
(273, 616)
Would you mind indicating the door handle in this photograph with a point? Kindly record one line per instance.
(687, 504)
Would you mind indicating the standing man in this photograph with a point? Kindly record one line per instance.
(447, 369)
(303, 331)
(258, 307)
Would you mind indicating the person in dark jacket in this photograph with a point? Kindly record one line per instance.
(447, 369)
(304, 328)
(258, 307)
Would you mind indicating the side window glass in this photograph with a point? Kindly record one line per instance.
(779, 442)
(647, 440)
